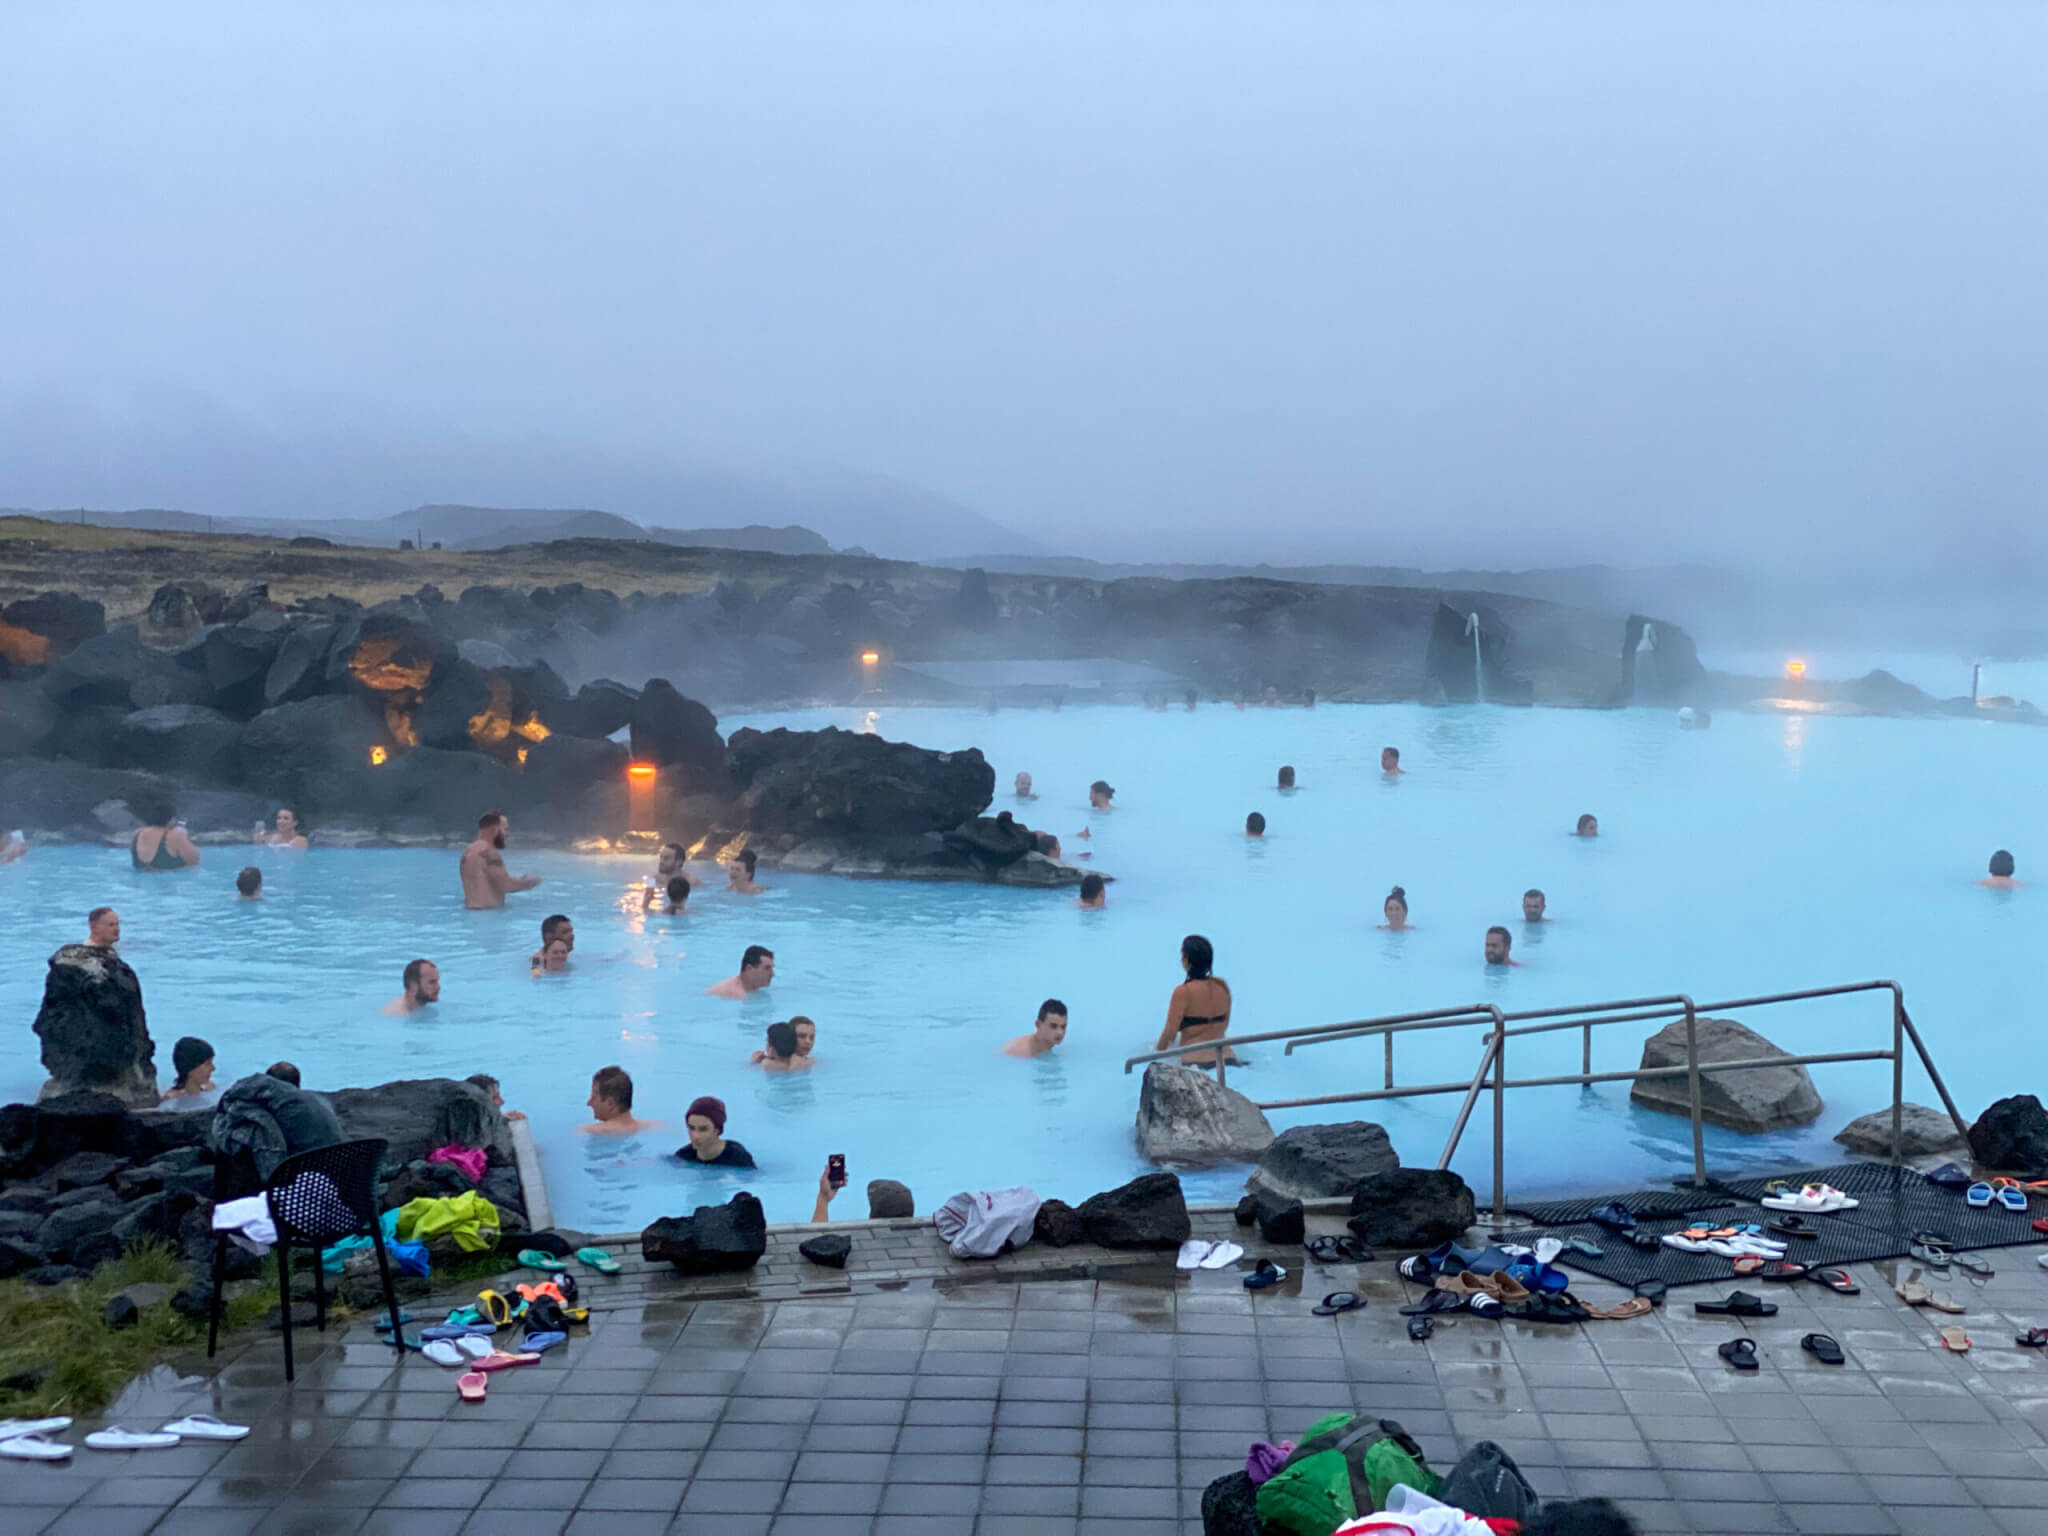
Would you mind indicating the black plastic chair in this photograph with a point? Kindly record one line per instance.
(316, 1199)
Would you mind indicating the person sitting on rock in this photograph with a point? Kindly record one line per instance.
(485, 880)
(757, 969)
(422, 982)
(782, 1054)
(551, 929)
(2001, 877)
(739, 875)
(1533, 906)
(1589, 826)
(678, 896)
(705, 1121)
(103, 928)
(287, 834)
(1390, 761)
(611, 1101)
(250, 883)
(1094, 892)
(1287, 777)
(1048, 1032)
(1100, 793)
(192, 1060)
(1024, 787)
(161, 843)
(1255, 825)
(489, 1085)
(1498, 944)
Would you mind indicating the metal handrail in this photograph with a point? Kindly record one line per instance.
(1492, 1070)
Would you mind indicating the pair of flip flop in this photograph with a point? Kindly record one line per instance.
(1201, 1253)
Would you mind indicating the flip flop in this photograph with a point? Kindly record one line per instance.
(1420, 1328)
(1837, 1280)
(1265, 1275)
(1823, 1349)
(1737, 1304)
(598, 1260)
(1740, 1353)
(1978, 1195)
(1222, 1256)
(1192, 1252)
(533, 1258)
(1954, 1338)
(1338, 1301)
(34, 1448)
(2033, 1338)
(471, 1386)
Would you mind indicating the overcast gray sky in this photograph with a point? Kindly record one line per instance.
(1475, 283)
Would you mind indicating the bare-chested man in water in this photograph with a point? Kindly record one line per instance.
(485, 880)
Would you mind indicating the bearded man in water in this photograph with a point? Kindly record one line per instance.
(485, 880)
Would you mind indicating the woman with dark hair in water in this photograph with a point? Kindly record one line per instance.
(1199, 1009)
(161, 842)
(1396, 908)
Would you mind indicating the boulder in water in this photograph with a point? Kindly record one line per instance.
(712, 1240)
(1772, 1098)
(1323, 1162)
(92, 1027)
(1187, 1119)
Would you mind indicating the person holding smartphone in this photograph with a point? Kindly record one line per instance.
(830, 1182)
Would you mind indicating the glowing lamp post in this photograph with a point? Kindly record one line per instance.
(640, 797)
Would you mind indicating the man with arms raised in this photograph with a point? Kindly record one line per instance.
(757, 969)
(485, 880)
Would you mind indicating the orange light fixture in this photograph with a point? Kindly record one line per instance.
(1795, 669)
(640, 773)
(378, 757)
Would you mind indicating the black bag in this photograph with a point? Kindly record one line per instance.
(1487, 1483)
(1230, 1507)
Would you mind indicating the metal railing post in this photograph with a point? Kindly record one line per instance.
(1692, 1093)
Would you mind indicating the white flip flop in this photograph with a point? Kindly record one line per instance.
(444, 1352)
(119, 1437)
(34, 1448)
(1222, 1256)
(474, 1347)
(1192, 1252)
(204, 1426)
(15, 1429)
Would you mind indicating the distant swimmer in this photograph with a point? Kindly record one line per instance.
(1024, 787)
(1255, 825)
(757, 969)
(1390, 761)
(611, 1101)
(739, 874)
(553, 927)
(1498, 943)
(678, 896)
(1199, 1009)
(1048, 1032)
(1287, 777)
(1094, 891)
(554, 957)
(1396, 909)
(1589, 825)
(782, 1054)
(2001, 873)
(286, 835)
(422, 982)
(1533, 906)
(1100, 793)
(485, 880)
(250, 883)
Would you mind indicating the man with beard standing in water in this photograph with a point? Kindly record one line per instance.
(485, 880)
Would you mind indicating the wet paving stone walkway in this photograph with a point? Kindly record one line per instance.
(1082, 1407)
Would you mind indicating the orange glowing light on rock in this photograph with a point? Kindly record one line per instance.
(378, 757)
(1795, 669)
(640, 773)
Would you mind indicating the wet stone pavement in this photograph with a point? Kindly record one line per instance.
(1060, 1406)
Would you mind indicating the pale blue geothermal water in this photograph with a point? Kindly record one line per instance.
(1768, 853)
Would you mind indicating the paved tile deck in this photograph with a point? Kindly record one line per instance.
(1070, 1407)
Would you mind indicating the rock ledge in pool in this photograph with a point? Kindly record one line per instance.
(1773, 1098)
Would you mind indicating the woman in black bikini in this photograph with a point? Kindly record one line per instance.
(1199, 1009)
(162, 844)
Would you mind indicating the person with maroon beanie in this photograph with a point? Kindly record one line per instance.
(706, 1124)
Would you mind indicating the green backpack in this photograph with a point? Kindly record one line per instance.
(1344, 1467)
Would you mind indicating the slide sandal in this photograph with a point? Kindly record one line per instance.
(598, 1260)
(1740, 1353)
(533, 1258)
(1267, 1274)
(1978, 1195)
(1737, 1304)
(1823, 1349)
(471, 1386)
(1953, 1337)
(1222, 1256)
(34, 1448)
(1420, 1328)
(1836, 1280)
(1338, 1301)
